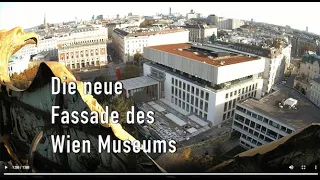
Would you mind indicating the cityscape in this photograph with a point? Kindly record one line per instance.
(218, 86)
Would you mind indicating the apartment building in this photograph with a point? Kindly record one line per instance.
(315, 91)
(84, 47)
(309, 70)
(201, 33)
(229, 24)
(310, 65)
(197, 80)
(129, 41)
(273, 116)
(277, 60)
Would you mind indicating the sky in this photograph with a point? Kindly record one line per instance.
(298, 15)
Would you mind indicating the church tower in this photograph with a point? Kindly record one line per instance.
(45, 22)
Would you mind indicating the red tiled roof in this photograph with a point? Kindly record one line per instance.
(228, 60)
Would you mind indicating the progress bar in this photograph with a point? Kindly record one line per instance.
(153, 174)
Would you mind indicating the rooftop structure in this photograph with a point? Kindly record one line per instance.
(303, 115)
(135, 31)
(214, 57)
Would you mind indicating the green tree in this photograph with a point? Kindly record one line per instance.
(101, 98)
(122, 106)
(136, 58)
(213, 38)
(130, 71)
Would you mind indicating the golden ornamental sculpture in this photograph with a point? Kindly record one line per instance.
(13, 40)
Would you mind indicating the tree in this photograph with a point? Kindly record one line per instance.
(213, 38)
(186, 153)
(297, 86)
(130, 71)
(136, 58)
(25, 78)
(101, 98)
(121, 105)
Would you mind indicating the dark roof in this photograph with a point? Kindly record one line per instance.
(310, 58)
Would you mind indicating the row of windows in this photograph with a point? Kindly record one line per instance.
(264, 120)
(86, 60)
(190, 107)
(252, 140)
(92, 53)
(187, 87)
(83, 42)
(193, 100)
(261, 133)
(230, 105)
(243, 91)
(255, 126)
(83, 64)
(246, 144)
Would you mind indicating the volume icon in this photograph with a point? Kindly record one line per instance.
(291, 167)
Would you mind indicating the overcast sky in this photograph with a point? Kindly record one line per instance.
(29, 14)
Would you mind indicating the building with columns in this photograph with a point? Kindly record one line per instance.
(85, 47)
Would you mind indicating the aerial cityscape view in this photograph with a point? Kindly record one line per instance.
(236, 90)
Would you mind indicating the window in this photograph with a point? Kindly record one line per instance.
(283, 128)
(205, 116)
(192, 102)
(176, 101)
(227, 95)
(187, 97)
(224, 116)
(247, 122)
(196, 103)
(176, 82)
(179, 93)
(184, 85)
(197, 91)
(258, 126)
(234, 103)
(187, 107)
(254, 115)
(245, 128)
(231, 94)
(263, 129)
(183, 95)
(192, 90)
(235, 92)
(201, 104)
(202, 94)
(225, 106)
(255, 133)
(250, 131)
(261, 136)
(260, 117)
(172, 89)
(172, 81)
(206, 107)
(266, 120)
(228, 115)
(188, 87)
(249, 113)
(176, 92)
(289, 131)
(252, 124)
(238, 124)
(191, 108)
(207, 96)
